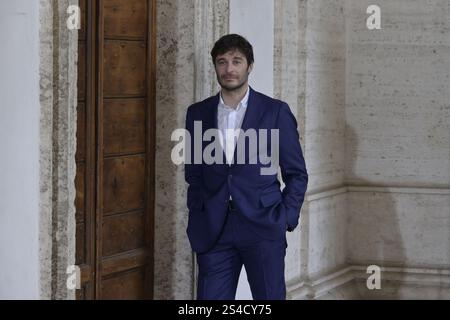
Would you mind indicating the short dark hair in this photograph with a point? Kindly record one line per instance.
(231, 42)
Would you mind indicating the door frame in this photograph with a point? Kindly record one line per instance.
(58, 47)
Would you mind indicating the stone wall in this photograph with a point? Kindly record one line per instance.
(186, 32)
(374, 107)
(309, 75)
(398, 138)
(58, 94)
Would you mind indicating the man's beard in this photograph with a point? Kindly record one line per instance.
(232, 87)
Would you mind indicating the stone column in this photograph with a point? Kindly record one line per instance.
(58, 94)
(211, 22)
(290, 86)
(310, 76)
(186, 32)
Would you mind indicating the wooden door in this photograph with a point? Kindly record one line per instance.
(115, 149)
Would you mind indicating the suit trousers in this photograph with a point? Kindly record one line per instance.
(238, 245)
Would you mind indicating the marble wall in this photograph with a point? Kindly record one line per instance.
(309, 75)
(398, 95)
(375, 113)
(325, 138)
(397, 146)
(325, 94)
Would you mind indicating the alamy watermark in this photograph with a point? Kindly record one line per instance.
(374, 280)
(74, 19)
(73, 277)
(235, 141)
(373, 22)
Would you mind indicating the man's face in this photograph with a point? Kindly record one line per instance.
(232, 70)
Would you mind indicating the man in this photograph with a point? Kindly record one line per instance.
(237, 213)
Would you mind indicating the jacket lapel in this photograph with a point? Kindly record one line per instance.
(253, 114)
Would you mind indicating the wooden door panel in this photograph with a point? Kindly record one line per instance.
(124, 126)
(126, 18)
(123, 232)
(81, 81)
(124, 68)
(82, 31)
(82, 227)
(86, 292)
(80, 192)
(81, 132)
(115, 149)
(80, 256)
(124, 261)
(124, 286)
(124, 184)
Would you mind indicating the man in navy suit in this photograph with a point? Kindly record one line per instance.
(237, 213)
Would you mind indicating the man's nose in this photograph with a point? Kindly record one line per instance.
(229, 67)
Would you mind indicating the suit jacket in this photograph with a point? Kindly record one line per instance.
(267, 210)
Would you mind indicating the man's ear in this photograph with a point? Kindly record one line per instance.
(250, 68)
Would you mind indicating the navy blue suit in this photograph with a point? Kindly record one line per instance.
(254, 232)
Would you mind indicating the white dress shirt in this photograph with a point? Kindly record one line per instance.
(230, 118)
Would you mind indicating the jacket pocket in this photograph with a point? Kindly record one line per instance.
(269, 199)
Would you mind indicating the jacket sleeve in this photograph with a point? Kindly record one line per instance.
(292, 165)
(192, 172)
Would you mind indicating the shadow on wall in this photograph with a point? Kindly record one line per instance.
(374, 231)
